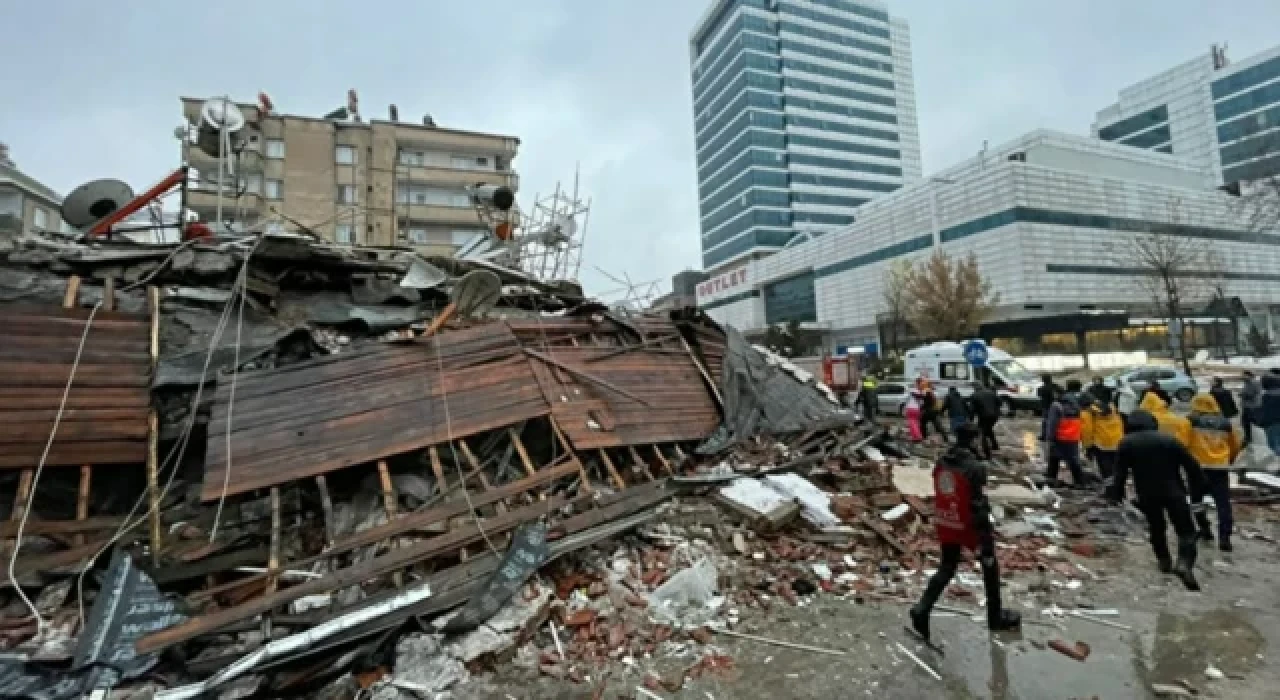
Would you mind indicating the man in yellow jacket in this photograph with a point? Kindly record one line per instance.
(1169, 422)
(1215, 444)
(1103, 429)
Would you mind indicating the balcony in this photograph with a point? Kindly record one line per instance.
(206, 198)
(428, 214)
(424, 175)
(438, 139)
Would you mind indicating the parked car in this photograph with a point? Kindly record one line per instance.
(891, 397)
(1177, 383)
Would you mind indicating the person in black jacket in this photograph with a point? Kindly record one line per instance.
(1158, 462)
(957, 409)
(985, 406)
(962, 517)
(930, 414)
(1226, 402)
(1154, 386)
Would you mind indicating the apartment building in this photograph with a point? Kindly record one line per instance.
(1224, 116)
(804, 110)
(26, 205)
(373, 183)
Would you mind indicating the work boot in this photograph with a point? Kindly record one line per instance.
(1165, 564)
(1206, 530)
(1224, 545)
(920, 621)
(1004, 620)
(1185, 568)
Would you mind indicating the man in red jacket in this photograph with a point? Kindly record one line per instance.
(962, 518)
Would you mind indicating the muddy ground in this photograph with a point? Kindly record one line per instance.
(1233, 626)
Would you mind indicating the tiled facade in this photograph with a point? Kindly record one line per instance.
(26, 205)
(1224, 117)
(803, 111)
(1049, 218)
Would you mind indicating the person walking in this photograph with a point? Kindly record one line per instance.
(985, 406)
(956, 408)
(1250, 401)
(1048, 392)
(1268, 413)
(912, 413)
(931, 414)
(1103, 432)
(1158, 462)
(962, 519)
(868, 396)
(1167, 421)
(1062, 427)
(1153, 387)
(1215, 445)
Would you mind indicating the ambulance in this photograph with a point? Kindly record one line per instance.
(945, 366)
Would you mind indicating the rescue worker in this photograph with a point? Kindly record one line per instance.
(1062, 429)
(1215, 445)
(956, 408)
(1153, 387)
(962, 517)
(1168, 421)
(1158, 462)
(985, 406)
(1102, 432)
(868, 396)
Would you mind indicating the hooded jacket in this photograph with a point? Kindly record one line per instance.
(955, 405)
(986, 403)
(1251, 394)
(1086, 402)
(1105, 427)
(1214, 443)
(1175, 425)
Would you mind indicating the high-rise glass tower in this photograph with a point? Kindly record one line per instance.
(803, 110)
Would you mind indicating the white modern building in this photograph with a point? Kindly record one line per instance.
(1222, 116)
(1050, 218)
(803, 111)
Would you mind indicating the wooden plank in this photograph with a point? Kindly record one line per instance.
(598, 381)
(109, 294)
(22, 456)
(657, 451)
(479, 470)
(71, 297)
(75, 431)
(72, 415)
(153, 486)
(20, 498)
(520, 450)
(438, 469)
(82, 497)
(41, 375)
(12, 399)
(568, 449)
(273, 558)
(613, 472)
(61, 527)
(326, 506)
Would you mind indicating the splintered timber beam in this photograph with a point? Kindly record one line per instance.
(657, 451)
(153, 433)
(438, 469)
(644, 466)
(392, 561)
(568, 448)
(82, 497)
(476, 467)
(604, 383)
(520, 450)
(389, 505)
(326, 506)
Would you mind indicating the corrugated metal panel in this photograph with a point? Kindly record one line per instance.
(369, 404)
(105, 421)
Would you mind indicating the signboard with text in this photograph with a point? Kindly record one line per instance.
(730, 282)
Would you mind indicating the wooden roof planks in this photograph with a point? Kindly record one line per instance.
(105, 417)
(369, 404)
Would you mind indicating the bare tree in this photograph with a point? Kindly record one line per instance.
(1174, 271)
(894, 294)
(948, 298)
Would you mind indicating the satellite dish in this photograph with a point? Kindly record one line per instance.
(216, 115)
(90, 202)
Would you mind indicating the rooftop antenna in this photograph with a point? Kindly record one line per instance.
(220, 119)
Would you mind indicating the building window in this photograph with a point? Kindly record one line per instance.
(346, 194)
(345, 155)
(41, 219)
(417, 235)
(11, 203)
(471, 163)
(414, 158)
(344, 233)
(275, 148)
(275, 189)
(253, 184)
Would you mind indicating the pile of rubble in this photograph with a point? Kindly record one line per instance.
(272, 468)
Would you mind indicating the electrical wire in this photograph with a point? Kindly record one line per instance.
(53, 432)
(243, 287)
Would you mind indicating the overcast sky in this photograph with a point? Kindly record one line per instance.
(90, 87)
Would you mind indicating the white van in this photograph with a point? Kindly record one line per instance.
(945, 366)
